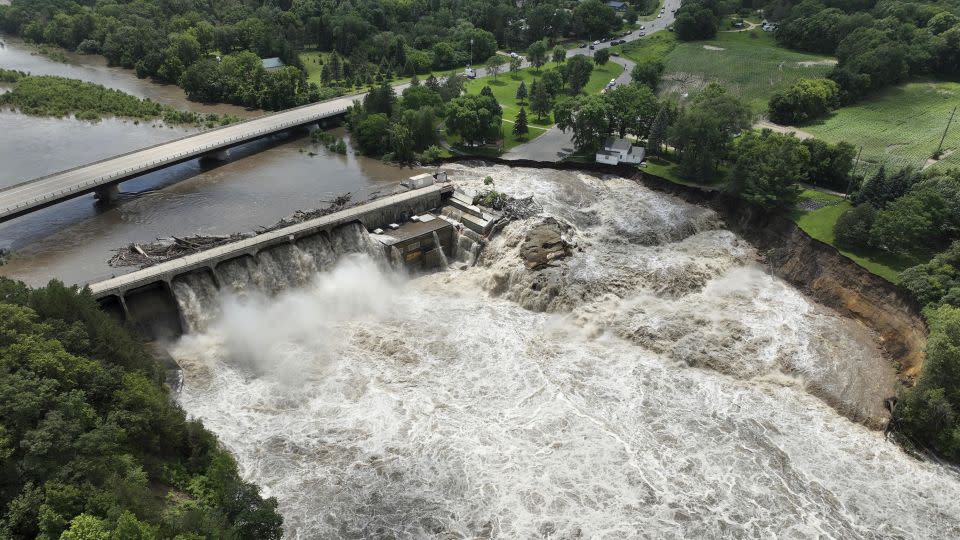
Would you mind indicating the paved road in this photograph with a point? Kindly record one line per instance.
(554, 145)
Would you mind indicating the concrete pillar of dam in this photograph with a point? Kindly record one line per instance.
(107, 194)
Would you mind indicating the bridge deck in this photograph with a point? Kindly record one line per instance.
(34, 194)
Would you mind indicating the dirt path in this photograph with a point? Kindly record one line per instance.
(799, 133)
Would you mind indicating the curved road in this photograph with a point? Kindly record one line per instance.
(554, 144)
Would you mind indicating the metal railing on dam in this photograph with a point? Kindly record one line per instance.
(32, 195)
(146, 297)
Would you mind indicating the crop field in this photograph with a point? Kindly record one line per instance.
(748, 64)
(899, 127)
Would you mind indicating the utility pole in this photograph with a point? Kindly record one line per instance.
(852, 176)
(950, 121)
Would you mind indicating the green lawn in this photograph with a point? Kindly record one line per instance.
(819, 224)
(504, 88)
(654, 47)
(748, 64)
(899, 127)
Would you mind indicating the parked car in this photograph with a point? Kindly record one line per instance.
(596, 42)
(660, 16)
(470, 73)
(582, 45)
(514, 55)
(591, 47)
(642, 27)
(642, 34)
(612, 82)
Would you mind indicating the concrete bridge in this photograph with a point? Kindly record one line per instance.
(102, 177)
(146, 298)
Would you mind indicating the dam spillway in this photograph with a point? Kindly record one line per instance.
(157, 298)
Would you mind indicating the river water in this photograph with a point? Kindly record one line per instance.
(263, 182)
(656, 383)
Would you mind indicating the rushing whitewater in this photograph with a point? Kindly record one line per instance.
(655, 383)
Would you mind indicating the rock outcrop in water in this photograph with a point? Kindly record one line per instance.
(545, 244)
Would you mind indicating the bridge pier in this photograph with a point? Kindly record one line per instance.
(107, 194)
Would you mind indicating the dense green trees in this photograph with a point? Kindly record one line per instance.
(92, 445)
(601, 57)
(876, 45)
(767, 169)
(704, 131)
(401, 129)
(697, 19)
(576, 73)
(588, 117)
(541, 102)
(929, 413)
(805, 100)
(475, 118)
(830, 164)
(911, 212)
(57, 96)
(367, 41)
(594, 19)
(648, 73)
(537, 54)
(632, 109)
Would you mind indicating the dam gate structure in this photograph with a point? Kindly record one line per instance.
(153, 298)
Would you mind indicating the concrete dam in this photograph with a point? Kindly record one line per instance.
(418, 229)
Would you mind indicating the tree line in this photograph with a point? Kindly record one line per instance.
(58, 96)
(91, 444)
(877, 44)
(203, 46)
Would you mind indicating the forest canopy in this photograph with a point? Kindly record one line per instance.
(92, 445)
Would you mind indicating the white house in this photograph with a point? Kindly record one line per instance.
(616, 151)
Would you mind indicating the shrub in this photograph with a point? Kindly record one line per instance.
(806, 100)
(852, 229)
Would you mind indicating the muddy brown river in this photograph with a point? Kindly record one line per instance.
(261, 183)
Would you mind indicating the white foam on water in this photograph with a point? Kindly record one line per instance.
(371, 406)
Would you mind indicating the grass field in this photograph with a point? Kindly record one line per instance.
(504, 88)
(748, 64)
(899, 127)
(654, 47)
(819, 224)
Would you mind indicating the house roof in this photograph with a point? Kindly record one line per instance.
(638, 150)
(616, 5)
(619, 145)
(272, 63)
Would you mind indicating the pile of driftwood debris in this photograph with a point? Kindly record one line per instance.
(164, 249)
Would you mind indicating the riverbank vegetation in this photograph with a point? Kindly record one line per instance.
(360, 43)
(44, 95)
(91, 444)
